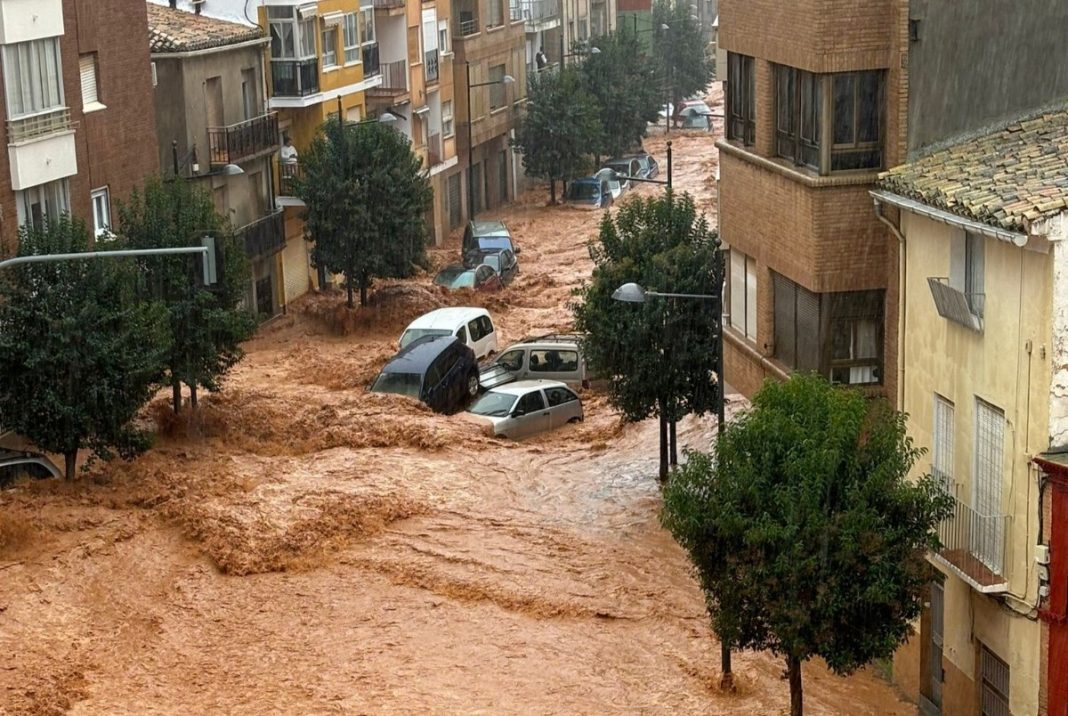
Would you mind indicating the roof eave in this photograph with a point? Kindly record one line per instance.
(882, 196)
(180, 54)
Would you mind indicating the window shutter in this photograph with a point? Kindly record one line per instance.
(87, 65)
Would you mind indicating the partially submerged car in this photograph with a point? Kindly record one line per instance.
(487, 235)
(19, 465)
(549, 357)
(438, 370)
(588, 193)
(472, 325)
(647, 162)
(527, 407)
(625, 168)
(503, 261)
(481, 277)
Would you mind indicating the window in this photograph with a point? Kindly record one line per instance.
(837, 334)
(90, 90)
(443, 37)
(474, 327)
(248, 92)
(742, 288)
(995, 684)
(857, 111)
(797, 116)
(41, 203)
(974, 273)
(496, 75)
(496, 13)
(330, 46)
(367, 26)
(942, 450)
(530, 403)
(988, 534)
(306, 35)
(33, 77)
(512, 360)
(553, 361)
(446, 119)
(291, 38)
(101, 212)
(741, 99)
(351, 36)
(559, 396)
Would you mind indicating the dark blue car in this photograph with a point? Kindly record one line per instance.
(441, 371)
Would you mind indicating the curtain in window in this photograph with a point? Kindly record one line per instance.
(307, 37)
(352, 38)
(282, 40)
(865, 346)
(32, 77)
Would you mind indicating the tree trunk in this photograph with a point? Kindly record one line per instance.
(726, 677)
(348, 287)
(552, 192)
(674, 444)
(193, 395)
(176, 394)
(663, 445)
(793, 668)
(70, 459)
(363, 289)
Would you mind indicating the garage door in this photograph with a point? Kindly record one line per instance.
(295, 268)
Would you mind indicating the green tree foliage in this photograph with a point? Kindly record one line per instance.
(658, 356)
(680, 50)
(808, 537)
(624, 87)
(80, 354)
(367, 198)
(206, 326)
(559, 129)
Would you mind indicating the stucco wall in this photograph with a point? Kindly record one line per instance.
(996, 366)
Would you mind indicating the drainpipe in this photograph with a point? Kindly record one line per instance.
(902, 274)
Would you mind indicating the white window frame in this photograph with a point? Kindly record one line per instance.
(101, 203)
(444, 40)
(942, 441)
(330, 56)
(743, 294)
(350, 24)
(43, 194)
(368, 38)
(988, 476)
(448, 126)
(90, 83)
(27, 85)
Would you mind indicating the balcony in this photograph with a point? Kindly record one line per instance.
(394, 81)
(468, 24)
(433, 150)
(295, 78)
(390, 7)
(50, 121)
(287, 173)
(974, 546)
(41, 148)
(371, 65)
(430, 64)
(540, 14)
(244, 140)
(264, 237)
(957, 306)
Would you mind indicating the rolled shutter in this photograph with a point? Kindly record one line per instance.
(87, 66)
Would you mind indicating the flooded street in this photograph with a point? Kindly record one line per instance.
(304, 546)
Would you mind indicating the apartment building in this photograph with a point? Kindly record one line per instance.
(76, 80)
(558, 26)
(816, 108)
(985, 305)
(417, 65)
(490, 76)
(214, 130)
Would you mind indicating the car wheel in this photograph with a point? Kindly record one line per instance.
(472, 384)
(575, 419)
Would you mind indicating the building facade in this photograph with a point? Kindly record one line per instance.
(985, 309)
(490, 78)
(815, 109)
(214, 130)
(76, 80)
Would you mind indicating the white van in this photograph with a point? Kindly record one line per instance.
(473, 326)
(613, 180)
(556, 356)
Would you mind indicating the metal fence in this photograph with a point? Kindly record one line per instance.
(976, 543)
(295, 78)
(235, 142)
(38, 125)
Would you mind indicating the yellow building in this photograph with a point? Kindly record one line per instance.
(983, 275)
(323, 56)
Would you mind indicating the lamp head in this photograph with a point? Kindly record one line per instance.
(507, 79)
(630, 293)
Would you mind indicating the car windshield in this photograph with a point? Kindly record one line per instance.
(493, 261)
(461, 279)
(399, 383)
(582, 191)
(446, 276)
(414, 334)
(493, 404)
(494, 242)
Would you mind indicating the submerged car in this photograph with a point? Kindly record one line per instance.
(487, 235)
(588, 193)
(16, 466)
(438, 370)
(550, 357)
(472, 325)
(480, 278)
(647, 162)
(503, 261)
(625, 168)
(527, 407)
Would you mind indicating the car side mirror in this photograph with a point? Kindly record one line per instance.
(518, 250)
(518, 413)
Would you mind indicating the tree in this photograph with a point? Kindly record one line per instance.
(367, 198)
(559, 129)
(807, 536)
(623, 84)
(658, 356)
(207, 326)
(680, 50)
(80, 354)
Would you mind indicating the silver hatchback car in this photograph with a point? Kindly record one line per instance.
(527, 407)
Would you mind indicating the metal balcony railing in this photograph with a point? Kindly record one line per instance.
(287, 172)
(433, 149)
(295, 78)
(371, 65)
(228, 145)
(468, 24)
(266, 236)
(56, 119)
(976, 545)
(539, 11)
(430, 63)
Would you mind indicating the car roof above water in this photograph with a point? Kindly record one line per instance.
(447, 318)
(419, 354)
(522, 387)
(489, 228)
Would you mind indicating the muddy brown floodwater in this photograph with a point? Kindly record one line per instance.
(303, 546)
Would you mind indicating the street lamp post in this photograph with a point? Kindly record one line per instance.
(506, 80)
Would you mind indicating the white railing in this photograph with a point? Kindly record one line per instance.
(56, 119)
(976, 545)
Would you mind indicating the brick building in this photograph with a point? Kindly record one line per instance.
(77, 83)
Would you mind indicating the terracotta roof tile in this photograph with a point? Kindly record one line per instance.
(180, 31)
(1003, 178)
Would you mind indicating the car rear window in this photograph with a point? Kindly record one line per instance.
(579, 191)
(399, 383)
(494, 242)
(413, 334)
(553, 361)
(559, 396)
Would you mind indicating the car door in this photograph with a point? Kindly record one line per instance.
(478, 341)
(530, 415)
(563, 405)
